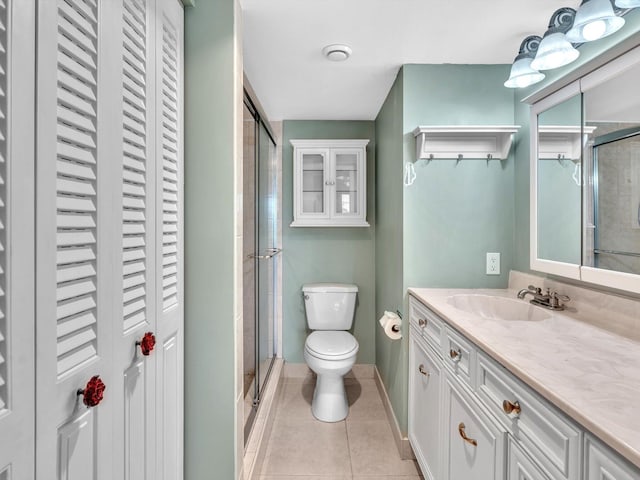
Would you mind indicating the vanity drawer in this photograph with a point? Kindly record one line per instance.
(460, 356)
(545, 433)
(428, 323)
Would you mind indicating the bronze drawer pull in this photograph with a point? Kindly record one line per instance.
(511, 408)
(423, 371)
(455, 355)
(463, 434)
(422, 322)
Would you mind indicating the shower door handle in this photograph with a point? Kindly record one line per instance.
(271, 252)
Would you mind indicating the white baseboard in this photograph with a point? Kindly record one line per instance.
(402, 442)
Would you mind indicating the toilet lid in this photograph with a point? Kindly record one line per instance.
(330, 343)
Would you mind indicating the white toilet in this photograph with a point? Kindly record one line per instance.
(330, 351)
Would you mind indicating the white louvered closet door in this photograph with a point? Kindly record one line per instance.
(134, 454)
(79, 139)
(17, 47)
(169, 231)
(109, 238)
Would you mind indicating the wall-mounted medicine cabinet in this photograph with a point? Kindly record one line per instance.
(585, 177)
(329, 183)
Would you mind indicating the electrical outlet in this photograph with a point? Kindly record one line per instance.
(493, 263)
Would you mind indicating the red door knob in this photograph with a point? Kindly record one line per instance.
(147, 343)
(93, 392)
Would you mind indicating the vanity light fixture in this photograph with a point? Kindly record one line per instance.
(522, 75)
(555, 50)
(337, 52)
(594, 19)
(627, 3)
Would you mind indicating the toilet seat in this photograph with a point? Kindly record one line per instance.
(331, 345)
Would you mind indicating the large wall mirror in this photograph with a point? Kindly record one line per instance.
(585, 188)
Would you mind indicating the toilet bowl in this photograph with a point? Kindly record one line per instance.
(330, 354)
(330, 351)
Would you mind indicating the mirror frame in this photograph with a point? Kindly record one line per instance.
(554, 267)
(607, 278)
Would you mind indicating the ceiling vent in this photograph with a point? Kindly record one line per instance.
(337, 52)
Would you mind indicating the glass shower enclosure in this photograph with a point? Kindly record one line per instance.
(260, 257)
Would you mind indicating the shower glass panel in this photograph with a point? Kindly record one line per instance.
(616, 199)
(260, 191)
(266, 238)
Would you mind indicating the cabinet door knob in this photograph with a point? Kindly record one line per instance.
(422, 370)
(93, 392)
(422, 322)
(463, 434)
(147, 343)
(510, 408)
(455, 355)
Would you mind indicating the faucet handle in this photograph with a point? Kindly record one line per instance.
(563, 298)
(557, 299)
(534, 289)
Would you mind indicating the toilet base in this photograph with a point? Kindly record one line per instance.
(330, 402)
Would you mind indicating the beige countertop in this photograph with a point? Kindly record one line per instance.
(589, 373)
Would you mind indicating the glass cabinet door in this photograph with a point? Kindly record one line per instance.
(347, 164)
(314, 173)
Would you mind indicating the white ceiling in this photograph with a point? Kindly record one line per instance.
(283, 40)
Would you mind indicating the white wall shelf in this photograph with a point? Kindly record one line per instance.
(476, 142)
(561, 142)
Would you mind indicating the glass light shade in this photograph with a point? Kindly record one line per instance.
(522, 75)
(627, 3)
(594, 19)
(554, 51)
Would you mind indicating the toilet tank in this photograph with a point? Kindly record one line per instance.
(329, 306)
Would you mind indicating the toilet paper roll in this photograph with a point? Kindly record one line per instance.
(388, 321)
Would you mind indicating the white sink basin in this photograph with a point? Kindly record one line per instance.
(498, 308)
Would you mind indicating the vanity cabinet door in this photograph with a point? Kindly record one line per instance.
(603, 464)
(425, 407)
(474, 445)
(521, 467)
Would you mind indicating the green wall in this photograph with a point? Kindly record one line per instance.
(453, 214)
(390, 355)
(456, 212)
(312, 254)
(209, 357)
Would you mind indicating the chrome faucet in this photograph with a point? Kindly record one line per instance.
(550, 300)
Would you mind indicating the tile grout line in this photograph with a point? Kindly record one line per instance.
(346, 432)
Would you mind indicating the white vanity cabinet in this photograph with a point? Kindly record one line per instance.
(452, 435)
(518, 434)
(330, 183)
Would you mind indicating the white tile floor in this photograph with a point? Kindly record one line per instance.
(360, 447)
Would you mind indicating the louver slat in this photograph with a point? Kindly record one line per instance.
(134, 177)
(76, 201)
(4, 392)
(169, 135)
